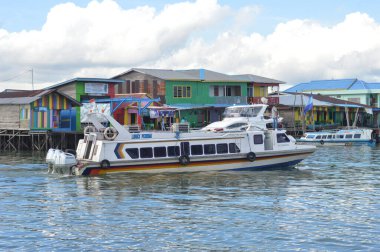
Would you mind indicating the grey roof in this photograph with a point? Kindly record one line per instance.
(18, 100)
(258, 79)
(84, 80)
(28, 96)
(195, 75)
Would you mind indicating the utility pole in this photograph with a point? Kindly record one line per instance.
(32, 79)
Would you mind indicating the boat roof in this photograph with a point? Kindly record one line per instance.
(342, 131)
(248, 106)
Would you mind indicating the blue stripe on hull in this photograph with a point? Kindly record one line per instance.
(263, 167)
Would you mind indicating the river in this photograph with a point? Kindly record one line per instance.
(329, 202)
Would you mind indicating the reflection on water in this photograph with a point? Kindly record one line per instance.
(329, 202)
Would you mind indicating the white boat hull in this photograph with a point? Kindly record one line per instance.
(281, 160)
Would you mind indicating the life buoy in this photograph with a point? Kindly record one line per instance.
(89, 129)
(251, 156)
(184, 160)
(110, 133)
(322, 142)
(105, 164)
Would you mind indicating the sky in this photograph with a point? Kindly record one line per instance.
(43, 43)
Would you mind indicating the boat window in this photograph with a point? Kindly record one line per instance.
(242, 111)
(339, 136)
(357, 135)
(333, 136)
(222, 148)
(310, 136)
(236, 125)
(133, 152)
(209, 148)
(258, 139)
(329, 136)
(282, 138)
(196, 150)
(233, 148)
(324, 136)
(349, 136)
(318, 137)
(173, 151)
(146, 152)
(185, 148)
(159, 151)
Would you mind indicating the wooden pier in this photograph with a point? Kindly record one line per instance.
(41, 140)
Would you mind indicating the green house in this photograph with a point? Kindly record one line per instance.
(84, 89)
(199, 95)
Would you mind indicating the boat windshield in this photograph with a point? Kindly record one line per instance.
(242, 112)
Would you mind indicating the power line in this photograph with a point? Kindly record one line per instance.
(16, 76)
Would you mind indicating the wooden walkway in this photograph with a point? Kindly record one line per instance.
(25, 139)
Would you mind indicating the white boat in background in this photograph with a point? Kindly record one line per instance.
(239, 117)
(354, 136)
(116, 150)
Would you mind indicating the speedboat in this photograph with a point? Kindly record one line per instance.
(114, 149)
(239, 117)
(346, 137)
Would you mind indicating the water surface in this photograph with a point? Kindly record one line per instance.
(330, 202)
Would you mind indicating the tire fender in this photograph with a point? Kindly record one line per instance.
(184, 160)
(251, 156)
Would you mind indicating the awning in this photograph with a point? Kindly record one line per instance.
(197, 106)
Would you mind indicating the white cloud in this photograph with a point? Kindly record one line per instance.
(102, 40)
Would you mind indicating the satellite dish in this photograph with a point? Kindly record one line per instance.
(264, 100)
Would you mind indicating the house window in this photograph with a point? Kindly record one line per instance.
(216, 91)
(250, 92)
(233, 91)
(24, 114)
(357, 100)
(182, 92)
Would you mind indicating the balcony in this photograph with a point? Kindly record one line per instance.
(257, 100)
(230, 99)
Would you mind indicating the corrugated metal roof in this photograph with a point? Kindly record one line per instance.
(197, 106)
(318, 100)
(199, 75)
(84, 80)
(343, 84)
(17, 100)
(258, 79)
(323, 85)
(28, 96)
(21, 93)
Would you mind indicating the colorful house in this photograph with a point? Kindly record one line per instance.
(37, 110)
(327, 112)
(352, 90)
(199, 95)
(85, 89)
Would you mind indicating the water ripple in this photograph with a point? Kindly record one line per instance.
(329, 203)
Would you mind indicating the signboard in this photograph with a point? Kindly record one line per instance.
(86, 108)
(96, 88)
